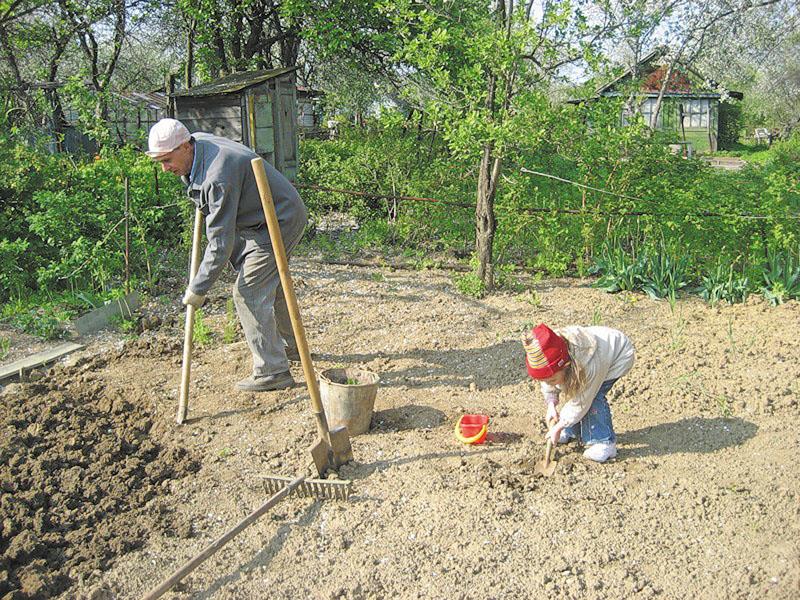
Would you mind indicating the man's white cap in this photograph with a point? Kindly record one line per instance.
(165, 136)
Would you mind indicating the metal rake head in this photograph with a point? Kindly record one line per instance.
(326, 489)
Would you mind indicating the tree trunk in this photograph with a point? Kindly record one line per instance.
(189, 71)
(485, 222)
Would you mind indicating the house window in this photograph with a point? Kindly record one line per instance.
(647, 107)
(695, 113)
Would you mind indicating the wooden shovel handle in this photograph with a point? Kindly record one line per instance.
(549, 448)
(288, 290)
(188, 329)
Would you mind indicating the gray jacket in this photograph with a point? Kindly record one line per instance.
(222, 185)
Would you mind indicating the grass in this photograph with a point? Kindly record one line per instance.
(677, 331)
(5, 347)
(231, 322)
(750, 152)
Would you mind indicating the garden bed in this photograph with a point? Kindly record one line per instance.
(109, 496)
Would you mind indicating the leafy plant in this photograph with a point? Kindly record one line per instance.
(663, 273)
(724, 283)
(5, 346)
(470, 284)
(533, 298)
(618, 270)
(124, 324)
(597, 318)
(201, 333)
(724, 405)
(47, 322)
(781, 278)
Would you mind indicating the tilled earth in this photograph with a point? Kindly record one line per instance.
(103, 496)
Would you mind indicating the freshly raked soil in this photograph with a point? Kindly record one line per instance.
(104, 496)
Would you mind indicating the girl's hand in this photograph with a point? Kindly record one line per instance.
(552, 412)
(554, 433)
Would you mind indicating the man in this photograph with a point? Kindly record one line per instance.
(220, 182)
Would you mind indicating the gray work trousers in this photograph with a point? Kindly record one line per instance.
(260, 303)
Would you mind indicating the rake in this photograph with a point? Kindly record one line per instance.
(280, 488)
(325, 489)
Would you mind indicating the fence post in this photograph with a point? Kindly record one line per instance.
(127, 240)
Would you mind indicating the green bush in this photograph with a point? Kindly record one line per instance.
(62, 222)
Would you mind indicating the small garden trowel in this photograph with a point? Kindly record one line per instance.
(547, 466)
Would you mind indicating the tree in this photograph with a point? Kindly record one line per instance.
(227, 37)
(465, 65)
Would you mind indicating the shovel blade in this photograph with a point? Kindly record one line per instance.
(321, 454)
(340, 446)
(332, 455)
(545, 468)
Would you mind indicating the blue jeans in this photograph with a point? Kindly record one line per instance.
(595, 427)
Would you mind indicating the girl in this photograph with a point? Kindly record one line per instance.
(582, 363)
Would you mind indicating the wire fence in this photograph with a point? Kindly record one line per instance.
(562, 211)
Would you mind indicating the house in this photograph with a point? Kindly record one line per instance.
(692, 107)
(309, 111)
(255, 108)
(130, 116)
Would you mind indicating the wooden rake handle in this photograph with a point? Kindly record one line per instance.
(288, 290)
(191, 565)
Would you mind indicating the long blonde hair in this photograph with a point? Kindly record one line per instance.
(574, 375)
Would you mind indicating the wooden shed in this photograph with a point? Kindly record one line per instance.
(256, 108)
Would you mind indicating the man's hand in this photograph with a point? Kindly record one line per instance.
(554, 433)
(192, 299)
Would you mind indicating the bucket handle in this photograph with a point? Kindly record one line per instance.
(468, 440)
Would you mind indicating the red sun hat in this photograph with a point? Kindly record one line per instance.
(545, 352)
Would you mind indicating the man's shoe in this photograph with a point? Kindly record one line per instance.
(266, 383)
(601, 452)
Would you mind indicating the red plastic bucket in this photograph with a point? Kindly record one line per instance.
(471, 429)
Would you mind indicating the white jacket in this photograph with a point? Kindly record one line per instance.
(604, 354)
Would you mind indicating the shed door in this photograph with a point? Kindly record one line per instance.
(265, 132)
(286, 117)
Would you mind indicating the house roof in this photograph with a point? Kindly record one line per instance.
(153, 100)
(233, 83)
(680, 83)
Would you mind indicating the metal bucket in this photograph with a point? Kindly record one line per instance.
(348, 397)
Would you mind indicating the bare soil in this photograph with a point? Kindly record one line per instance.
(103, 496)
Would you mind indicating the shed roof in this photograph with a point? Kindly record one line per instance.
(234, 82)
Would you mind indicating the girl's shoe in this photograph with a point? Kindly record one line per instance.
(601, 452)
(564, 437)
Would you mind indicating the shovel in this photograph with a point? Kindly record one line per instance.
(183, 402)
(547, 466)
(332, 449)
